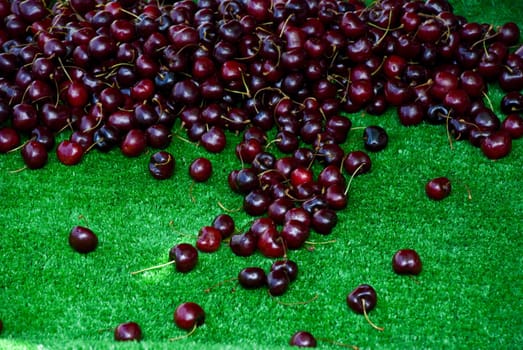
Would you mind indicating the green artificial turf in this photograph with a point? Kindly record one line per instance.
(467, 296)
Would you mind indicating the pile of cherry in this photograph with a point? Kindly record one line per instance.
(92, 74)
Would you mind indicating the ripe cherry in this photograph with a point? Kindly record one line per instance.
(362, 300)
(161, 165)
(438, 188)
(34, 154)
(83, 239)
(200, 169)
(209, 239)
(252, 278)
(303, 339)
(185, 257)
(69, 152)
(406, 262)
(128, 331)
(496, 145)
(189, 315)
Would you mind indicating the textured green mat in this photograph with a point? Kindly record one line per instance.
(468, 295)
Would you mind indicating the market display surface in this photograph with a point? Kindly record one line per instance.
(256, 174)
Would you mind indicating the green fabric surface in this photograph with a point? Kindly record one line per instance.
(467, 296)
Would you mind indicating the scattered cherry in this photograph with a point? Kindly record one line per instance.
(189, 315)
(128, 331)
(438, 188)
(200, 169)
(303, 339)
(161, 165)
(406, 261)
(83, 239)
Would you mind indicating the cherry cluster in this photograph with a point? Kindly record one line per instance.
(283, 74)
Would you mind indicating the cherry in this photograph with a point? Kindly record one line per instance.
(185, 257)
(278, 282)
(200, 169)
(128, 331)
(225, 224)
(209, 239)
(34, 154)
(289, 266)
(512, 124)
(438, 188)
(213, 140)
(252, 278)
(375, 138)
(161, 165)
(244, 244)
(406, 261)
(496, 145)
(83, 239)
(189, 315)
(295, 233)
(303, 339)
(69, 152)
(356, 163)
(300, 176)
(363, 299)
(9, 139)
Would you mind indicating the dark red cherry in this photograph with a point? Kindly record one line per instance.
(128, 331)
(244, 244)
(200, 169)
(356, 163)
(69, 152)
(303, 339)
(289, 266)
(438, 188)
(406, 262)
(83, 239)
(496, 145)
(189, 315)
(209, 239)
(277, 282)
(362, 299)
(34, 155)
(375, 138)
(185, 257)
(161, 165)
(513, 125)
(9, 139)
(252, 278)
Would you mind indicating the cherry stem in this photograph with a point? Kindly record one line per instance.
(185, 335)
(232, 279)
(299, 302)
(352, 177)
(153, 267)
(224, 208)
(367, 317)
(321, 243)
(339, 344)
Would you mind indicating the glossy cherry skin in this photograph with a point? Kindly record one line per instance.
(278, 282)
(375, 138)
(497, 145)
(128, 331)
(303, 339)
(200, 169)
(406, 262)
(209, 239)
(252, 278)
(34, 154)
(161, 165)
(364, 293)
(83, 239)
(244, 244)
(189, 315)
(438, 188)
(185, 257)
(9, 139)
(69, 152)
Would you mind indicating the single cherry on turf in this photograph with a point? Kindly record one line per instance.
(128, 331)
(438, 188)
(406, 262)
(83, 239)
